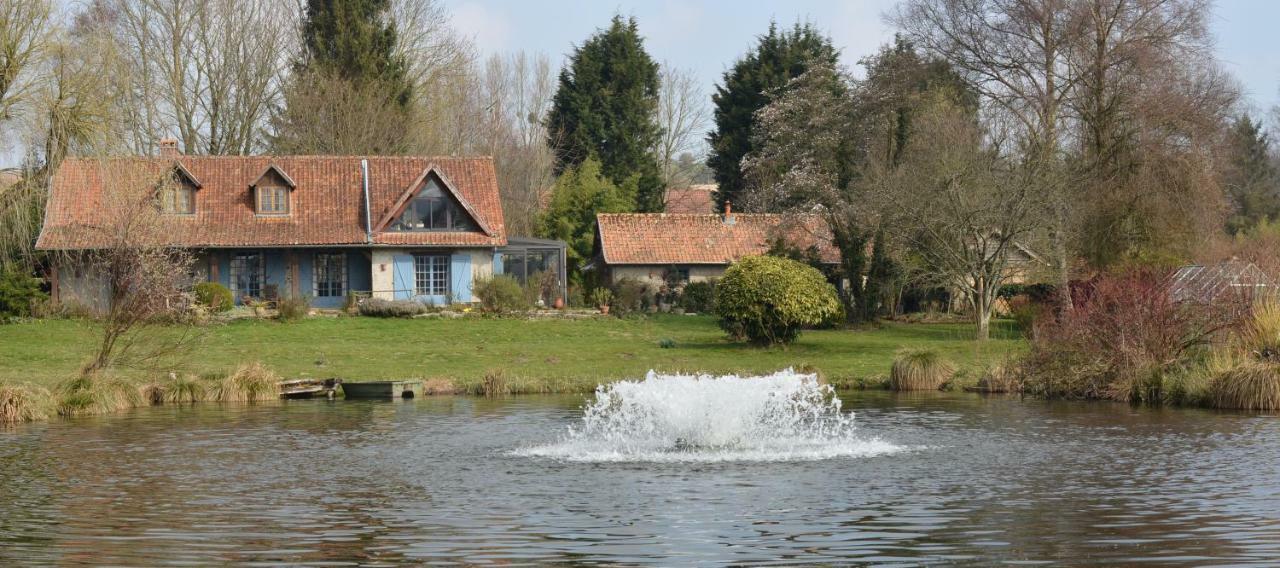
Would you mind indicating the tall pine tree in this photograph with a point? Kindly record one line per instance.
(1251, 179)
(350, 92)
(354, 40)
(777, 58)
(604, 107)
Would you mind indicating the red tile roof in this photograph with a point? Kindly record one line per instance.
(666, 238)
(695, 199)
(327, 204)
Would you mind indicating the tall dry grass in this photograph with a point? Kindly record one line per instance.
(919, 369)
(251, 382)
(96, 393)
(24, 403)
(1250, 385)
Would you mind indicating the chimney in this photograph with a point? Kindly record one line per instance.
(168, 147)
(728, 213)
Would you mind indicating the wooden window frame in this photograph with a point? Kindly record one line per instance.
(280, 208)
(320, 268)
(169, 199)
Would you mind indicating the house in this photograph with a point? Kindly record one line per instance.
(648, 246)
(318, 227)
(695, 199)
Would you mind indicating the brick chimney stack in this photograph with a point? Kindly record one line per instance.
(168, 147)
(728, 213)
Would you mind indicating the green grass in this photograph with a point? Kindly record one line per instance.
(534, 356)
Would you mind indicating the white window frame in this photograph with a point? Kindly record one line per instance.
(430, 274)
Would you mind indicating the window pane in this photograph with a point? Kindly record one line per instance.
(439, 214)
(431, 275)
(330, 274)
(246, 275)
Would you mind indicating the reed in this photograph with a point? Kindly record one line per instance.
(999, 378)
(495, 383)
(24, 403)
(919, 369)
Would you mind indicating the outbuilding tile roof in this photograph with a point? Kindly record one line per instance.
(326, 205)
(695, 199)
(668, 238)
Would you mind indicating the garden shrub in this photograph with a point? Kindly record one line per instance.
(379, 308)
(767, 300)
(631, 295)
(501, 295)
(19, 294)
(699, 297)
(214, 296)
(919, 369)
(292, 309)
(601, 297)
(1122, 334)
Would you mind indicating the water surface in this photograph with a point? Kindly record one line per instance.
(980, 481)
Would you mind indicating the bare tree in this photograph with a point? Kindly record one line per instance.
(65, 111)
(683, 115)
(208, 72)
(25, 28)
(498, 111)
(960, 205)
(1014, 52)
(146, 280)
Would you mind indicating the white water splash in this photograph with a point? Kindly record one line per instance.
(785, 416)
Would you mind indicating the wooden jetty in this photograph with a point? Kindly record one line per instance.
(307, 388)
(382, 389)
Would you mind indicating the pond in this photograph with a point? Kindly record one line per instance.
(936, 477)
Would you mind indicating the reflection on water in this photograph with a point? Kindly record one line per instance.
(991, 479)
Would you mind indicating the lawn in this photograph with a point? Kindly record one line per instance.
(540, 355)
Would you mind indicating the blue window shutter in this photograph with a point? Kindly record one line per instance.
(402, 276)
(460, 272)
(497, 263)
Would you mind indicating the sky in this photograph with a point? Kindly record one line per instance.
(707, 36)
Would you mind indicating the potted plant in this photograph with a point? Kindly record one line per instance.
(601, 298)
(259, 307)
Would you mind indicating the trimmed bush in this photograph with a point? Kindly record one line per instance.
(292, 309)
(501, 295)
(214, 296)
(768, 300)
(378, 308)
(699, 297)
(919, 369)
(23, 403)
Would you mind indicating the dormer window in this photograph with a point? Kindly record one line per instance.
(177, 195)
(273, 200)
(178, 199)
(433, 210)
(271, 192)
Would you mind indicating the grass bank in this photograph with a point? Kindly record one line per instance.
(532, 356)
